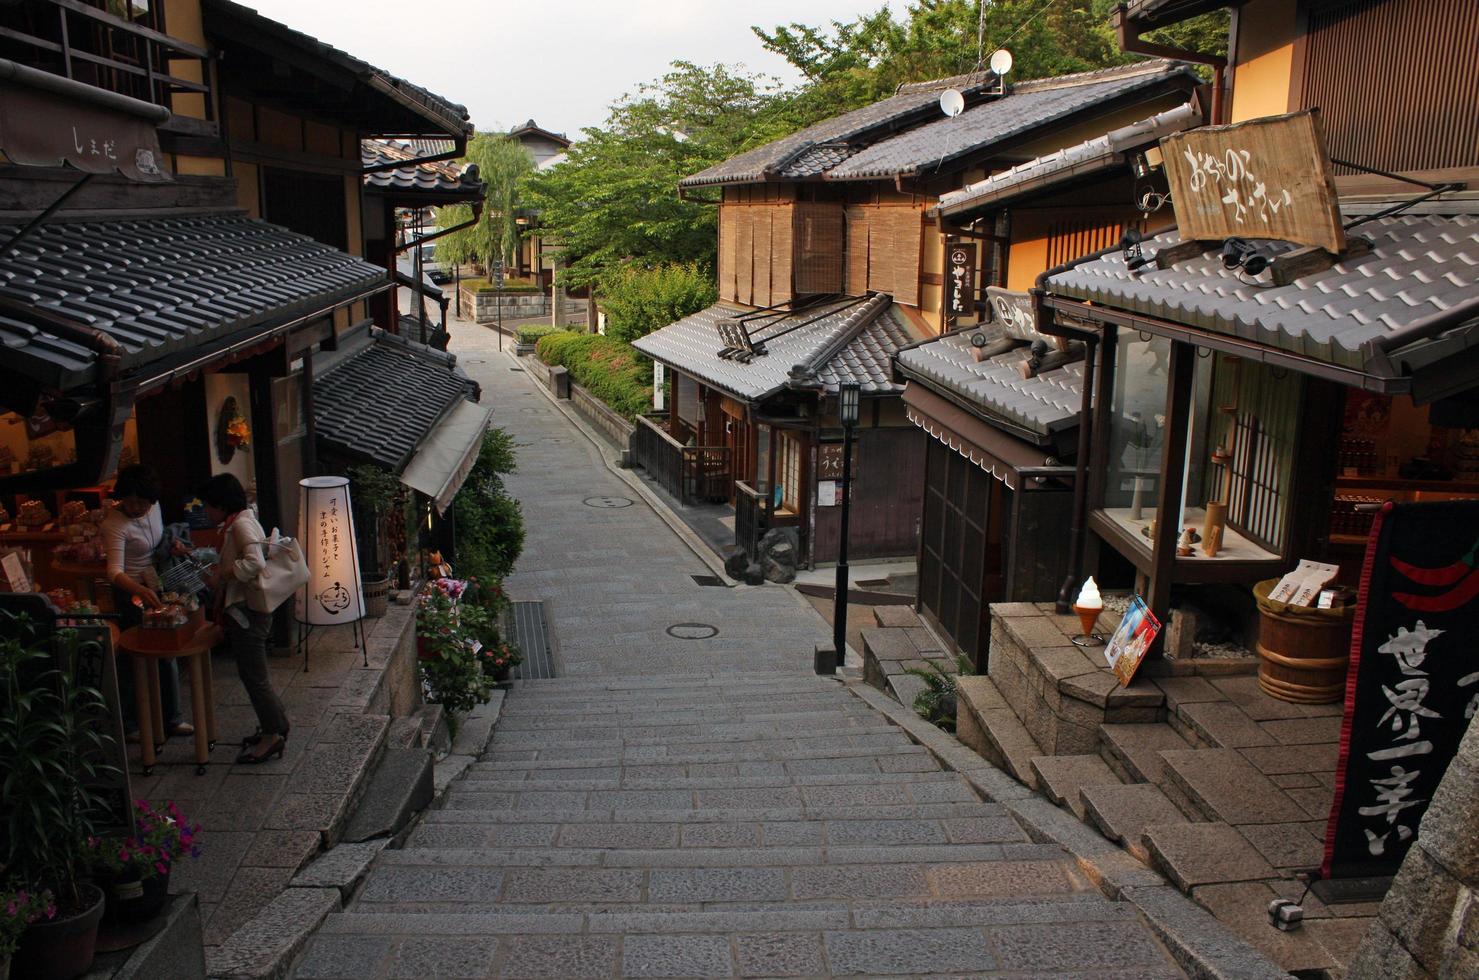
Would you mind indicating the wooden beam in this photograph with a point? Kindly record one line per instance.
(1168, 504)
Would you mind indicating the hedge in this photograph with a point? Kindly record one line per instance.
(610, 370)
(530, 333)
(510, 285)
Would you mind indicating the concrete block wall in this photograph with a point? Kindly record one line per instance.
(1428, 925)
(485, 305)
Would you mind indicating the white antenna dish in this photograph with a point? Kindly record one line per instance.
(952, 103)
(1001, 61)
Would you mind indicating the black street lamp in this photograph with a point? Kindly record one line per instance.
(847, 410)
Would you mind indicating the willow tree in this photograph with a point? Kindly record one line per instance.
(502, 162)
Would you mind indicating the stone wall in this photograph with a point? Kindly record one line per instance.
(484, 305)
(391, 643)
(617, 430)
(1428, 925)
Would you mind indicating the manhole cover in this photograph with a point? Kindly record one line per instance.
(692, 631)
(607, 502)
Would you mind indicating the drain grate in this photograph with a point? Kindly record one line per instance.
(709, 581)
(692, 631)
(606, 502)
(872, 583)
(517, 370)
(525, 625)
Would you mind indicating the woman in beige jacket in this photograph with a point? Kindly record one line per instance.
(242, 561)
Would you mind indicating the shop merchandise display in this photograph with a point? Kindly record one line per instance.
(82, 534)
(33, 513)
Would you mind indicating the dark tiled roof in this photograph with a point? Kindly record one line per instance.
(444, 178)
(853, 341)
(380, 402)
(1421, 266)
(447, 116)
(1070, 163)
(1159, 13)
(534, 129)
(164, 285)
(911, 103)
(1028, 106)
(1043, 405)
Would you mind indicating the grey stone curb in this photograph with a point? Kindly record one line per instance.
(264, 948)
(1202, 946)
(471, 742)
(343, 867)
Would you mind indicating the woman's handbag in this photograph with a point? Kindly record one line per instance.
(284, 573)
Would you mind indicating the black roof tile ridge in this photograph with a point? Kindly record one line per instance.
(851, 327)
(970, 79)
(1147, 67)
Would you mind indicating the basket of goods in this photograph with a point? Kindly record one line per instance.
(82, 541)
(33, 513)
(173, 624)
(73, 512)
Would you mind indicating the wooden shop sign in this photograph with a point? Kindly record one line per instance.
(1264, 178)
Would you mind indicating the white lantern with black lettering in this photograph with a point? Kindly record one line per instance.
(333, 594)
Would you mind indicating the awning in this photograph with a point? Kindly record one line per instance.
(47, 121)
(991, 449)
(447, 455)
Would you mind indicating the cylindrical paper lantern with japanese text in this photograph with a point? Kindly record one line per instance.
(326, 531)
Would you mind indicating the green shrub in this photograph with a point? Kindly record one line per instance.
(638, 301)
(489, 523)
(610, 370)
(531, 333)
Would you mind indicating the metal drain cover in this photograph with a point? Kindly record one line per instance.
(692, 631)
(607, 502)
(708, 581)
(531, 410)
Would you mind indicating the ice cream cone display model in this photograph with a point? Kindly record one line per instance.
(1088, 605)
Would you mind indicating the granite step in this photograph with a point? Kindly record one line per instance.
(1223, 786)
(827, 728)
(398, 789)
(1195, 854)
(985, 724)
(770, 814)
(992, 825)
(900, 755)
(782, 750)
(794, 856)
(1055, 934)
(1134, 751)
(1062, 777)
(1122, 812)
(502, 783)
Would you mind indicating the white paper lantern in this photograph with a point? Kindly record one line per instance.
(326, 530)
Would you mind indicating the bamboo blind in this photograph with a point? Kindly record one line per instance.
(820, 243)
(857, 250)
(781, 257)
(727, 222)
(744, 255)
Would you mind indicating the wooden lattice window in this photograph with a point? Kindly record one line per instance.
(1256, 415)
(1072, 238)
(788, 471)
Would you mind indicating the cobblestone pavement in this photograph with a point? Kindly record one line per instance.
(682, 808)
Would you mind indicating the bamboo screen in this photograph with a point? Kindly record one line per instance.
(755, 253)
(820, 243)
(883, 247)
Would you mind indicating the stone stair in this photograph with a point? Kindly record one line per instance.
(744, 825)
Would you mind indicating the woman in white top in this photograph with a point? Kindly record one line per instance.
(131, 533)
(242, 560)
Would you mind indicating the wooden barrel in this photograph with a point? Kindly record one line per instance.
(1303, 653)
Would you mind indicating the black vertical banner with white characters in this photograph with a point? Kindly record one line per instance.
(960, 289)
(1413, 684)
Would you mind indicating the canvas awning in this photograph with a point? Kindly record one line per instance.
(989, 448)
(447, 455)
(47, 120)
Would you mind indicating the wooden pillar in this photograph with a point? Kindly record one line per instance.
(1173, 458)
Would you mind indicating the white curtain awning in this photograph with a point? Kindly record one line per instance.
(448, 453)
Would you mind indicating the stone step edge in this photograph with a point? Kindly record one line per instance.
(981, 716)
(1201, 945)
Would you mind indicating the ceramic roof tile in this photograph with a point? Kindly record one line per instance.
(1029, 105)
(390, 378)
(164, 285)
(1421, 265)
(1045, 404)
(443, 177)
(868, 332)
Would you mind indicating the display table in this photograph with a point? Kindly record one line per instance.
(197, 650)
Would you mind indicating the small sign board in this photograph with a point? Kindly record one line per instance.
(1012, 309)
(1263, 178)
(829, 461)
(961, 274)
(828, 494)
(659, 372)
(1131, 640)
(15, 572)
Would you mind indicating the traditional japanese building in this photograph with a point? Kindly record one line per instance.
(182, 233)
(830, 260)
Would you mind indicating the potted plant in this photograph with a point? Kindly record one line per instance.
(52, 740)
(20, 908)
(134, 870)
(375, 493)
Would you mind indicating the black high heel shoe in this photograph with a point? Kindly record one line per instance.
(252, 759)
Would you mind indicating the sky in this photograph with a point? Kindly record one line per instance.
(558, 62)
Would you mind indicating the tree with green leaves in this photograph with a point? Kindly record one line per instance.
(502, 163)
(613, 202)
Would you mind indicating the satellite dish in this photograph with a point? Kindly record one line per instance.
(952, 103)
(1001, 61)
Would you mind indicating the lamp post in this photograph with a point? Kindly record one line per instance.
(847, 409)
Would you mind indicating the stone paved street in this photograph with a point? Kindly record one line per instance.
(671, 807)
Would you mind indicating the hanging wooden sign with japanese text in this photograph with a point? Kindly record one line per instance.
(1263, 178)
(960, 272)
(1012, 309)
(829, 461)
(1413, 684)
